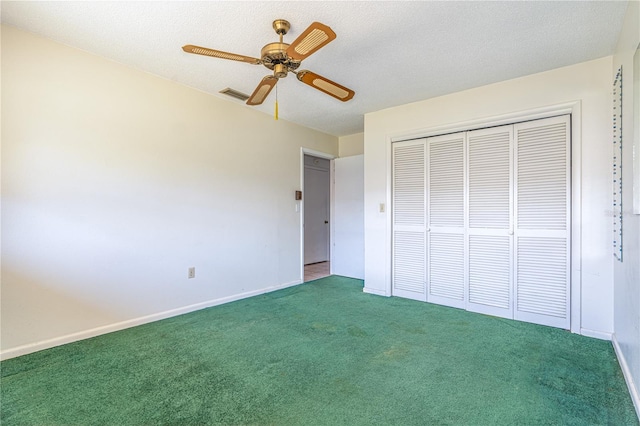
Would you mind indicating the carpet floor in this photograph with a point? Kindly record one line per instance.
(322, 353)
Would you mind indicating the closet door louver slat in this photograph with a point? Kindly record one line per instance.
(542, 276)
(409, 267)
(409, 219)
(446, 267)
(490, 178)
(490, 274)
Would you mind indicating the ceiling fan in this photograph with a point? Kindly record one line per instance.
(283, 58)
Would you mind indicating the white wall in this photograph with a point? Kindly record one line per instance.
(115, 181)
(590, 84)
(351, 145)
(627, 274)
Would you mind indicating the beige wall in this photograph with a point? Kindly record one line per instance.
(588, 83)
(114, 182)
(627, 273)
(351, 145)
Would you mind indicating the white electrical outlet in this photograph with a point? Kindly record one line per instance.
(192, 272)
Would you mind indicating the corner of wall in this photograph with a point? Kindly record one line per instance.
(626, 274)
(351, 145)
(626, 372)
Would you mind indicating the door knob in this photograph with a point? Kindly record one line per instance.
(326, 221)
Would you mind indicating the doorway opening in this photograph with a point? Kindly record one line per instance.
(316, 201)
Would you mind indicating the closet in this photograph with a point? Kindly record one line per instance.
(481, 220)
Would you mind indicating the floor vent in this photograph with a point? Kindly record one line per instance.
(234, 94)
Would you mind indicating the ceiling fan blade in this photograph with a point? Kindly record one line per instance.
(189, 48)
(325, 85)
(312, 39)
(262, 91)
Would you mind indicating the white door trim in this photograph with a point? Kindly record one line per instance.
(306, 151)
(575, 110)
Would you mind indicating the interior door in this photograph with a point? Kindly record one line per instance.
(316, 215)
(348, 224)
(446, 220)
(490, 226)
(409, 267)
(543, 227)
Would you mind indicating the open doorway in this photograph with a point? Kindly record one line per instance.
(316, 224)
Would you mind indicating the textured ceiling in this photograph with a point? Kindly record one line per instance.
(390, 53)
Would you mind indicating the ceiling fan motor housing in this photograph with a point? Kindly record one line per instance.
(274, 56)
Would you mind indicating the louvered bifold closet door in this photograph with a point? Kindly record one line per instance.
(489, 232)
(446, 220)
(409, 220)
(542, 232)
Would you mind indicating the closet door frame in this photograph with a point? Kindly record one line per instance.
(574, 109)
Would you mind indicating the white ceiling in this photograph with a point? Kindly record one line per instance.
(390, 53)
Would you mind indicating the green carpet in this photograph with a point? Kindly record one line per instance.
(322, 353)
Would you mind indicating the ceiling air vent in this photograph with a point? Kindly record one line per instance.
(234, 94)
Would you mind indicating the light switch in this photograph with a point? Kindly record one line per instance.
(381, 207)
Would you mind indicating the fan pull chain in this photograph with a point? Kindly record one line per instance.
(276, 113)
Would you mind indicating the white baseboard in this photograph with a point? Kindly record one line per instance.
(374, 291)
(602, 335)
(86, 334)
(626, 372)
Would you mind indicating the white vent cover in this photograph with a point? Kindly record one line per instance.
(234, 94)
